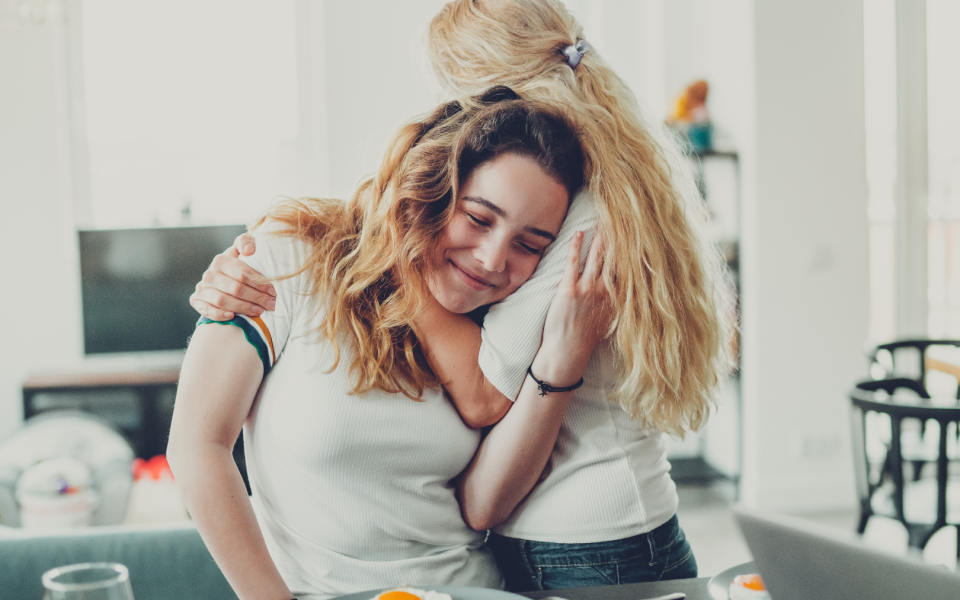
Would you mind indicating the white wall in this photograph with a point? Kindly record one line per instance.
(804, 258)
(373, 80)
(40, 300)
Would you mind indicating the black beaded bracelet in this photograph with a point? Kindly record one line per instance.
(546, 388)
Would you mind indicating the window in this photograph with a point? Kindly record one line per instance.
(943, 201)
(189, 110)
(943, 117)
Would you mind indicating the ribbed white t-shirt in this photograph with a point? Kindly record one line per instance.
(607, 478)
(351, 492)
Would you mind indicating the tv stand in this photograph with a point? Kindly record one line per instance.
(81, 391)
(145, 422)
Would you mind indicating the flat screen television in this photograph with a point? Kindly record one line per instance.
(136, 284)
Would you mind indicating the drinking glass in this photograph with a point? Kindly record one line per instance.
(88, 581)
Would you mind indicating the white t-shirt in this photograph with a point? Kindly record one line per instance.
(607, 478)
(351, 492)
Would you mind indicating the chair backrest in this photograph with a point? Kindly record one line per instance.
(865, 398)
(166, 562)
(907, 359)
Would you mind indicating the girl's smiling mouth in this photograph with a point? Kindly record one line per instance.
(473, 281)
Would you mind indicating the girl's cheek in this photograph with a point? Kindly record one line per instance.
(527, 265)
(460, 232)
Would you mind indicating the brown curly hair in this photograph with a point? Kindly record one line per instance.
(370, 255)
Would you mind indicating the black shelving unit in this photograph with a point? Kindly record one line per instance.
(696, 470)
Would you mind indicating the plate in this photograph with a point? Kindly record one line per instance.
(458, 593)
(719, 584)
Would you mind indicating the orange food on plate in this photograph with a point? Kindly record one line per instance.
(397, 595)
(748, 587)
(410, 593)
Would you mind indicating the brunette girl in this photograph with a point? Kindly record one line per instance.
(353, 480)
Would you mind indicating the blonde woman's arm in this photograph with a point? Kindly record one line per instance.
(513, 455)
(218, 382)
(512, 328)
(452, 342)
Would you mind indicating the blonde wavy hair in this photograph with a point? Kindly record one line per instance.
(672, 334)
(370, 256)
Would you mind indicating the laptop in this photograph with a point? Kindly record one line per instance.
(800, 560)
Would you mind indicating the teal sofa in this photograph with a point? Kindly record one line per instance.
(166, 562)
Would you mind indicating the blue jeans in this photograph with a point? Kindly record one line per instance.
(527, 566)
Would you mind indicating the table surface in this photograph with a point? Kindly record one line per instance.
(695, 589)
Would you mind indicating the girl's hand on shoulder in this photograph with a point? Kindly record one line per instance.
(231, 286)
(581, 312)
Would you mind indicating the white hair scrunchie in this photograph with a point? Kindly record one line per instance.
(574, 54)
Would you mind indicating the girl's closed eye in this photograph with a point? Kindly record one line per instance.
(477, 220)
(531, 249)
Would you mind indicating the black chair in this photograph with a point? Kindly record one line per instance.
(926, 504)
(911, 359)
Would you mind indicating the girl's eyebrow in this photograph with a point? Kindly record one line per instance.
(486, 203)
(500, 213)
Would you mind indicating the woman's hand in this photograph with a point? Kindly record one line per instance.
(579, 317)
(230, 285)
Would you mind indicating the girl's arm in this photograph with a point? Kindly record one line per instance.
(218, 382)
(513, 455)
(451, 342)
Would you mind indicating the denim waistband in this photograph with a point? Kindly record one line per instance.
(545, 554)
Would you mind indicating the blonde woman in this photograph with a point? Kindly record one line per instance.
(603, 510)
(353, 480)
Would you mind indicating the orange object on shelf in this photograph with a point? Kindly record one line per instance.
(691, 106)
(155, 497)
(155, 468)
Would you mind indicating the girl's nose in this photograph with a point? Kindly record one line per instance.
(492, 254)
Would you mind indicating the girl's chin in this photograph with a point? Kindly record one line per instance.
(456, 305)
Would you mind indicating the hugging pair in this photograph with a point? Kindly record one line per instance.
(575, 373)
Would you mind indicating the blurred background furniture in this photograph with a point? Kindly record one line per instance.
(166, 562)
(137, 403)
(69, 434)
(715, 454)
(934, 365)
(882, 409)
